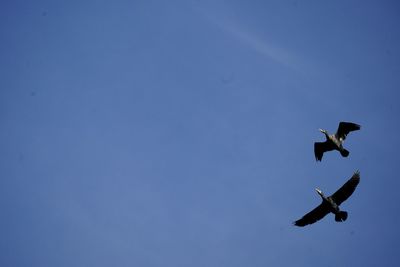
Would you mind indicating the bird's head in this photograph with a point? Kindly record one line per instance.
(319, 192)
(325, 132)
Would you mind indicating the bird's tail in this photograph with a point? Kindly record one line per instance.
(344, 152)
(341, 216)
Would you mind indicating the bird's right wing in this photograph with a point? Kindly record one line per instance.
(320, 148)
(347, 189)
(315, 215)
(345, 128)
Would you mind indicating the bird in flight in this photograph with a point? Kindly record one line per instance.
(331, 203)
(335, 141)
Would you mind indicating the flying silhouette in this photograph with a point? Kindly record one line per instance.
(335, 141)
(331, 203)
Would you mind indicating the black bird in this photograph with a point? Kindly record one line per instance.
(331, 203)
(335, 141)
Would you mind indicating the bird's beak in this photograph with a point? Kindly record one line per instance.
(318, 191)
(322, 131)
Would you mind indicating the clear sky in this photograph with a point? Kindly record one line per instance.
(180, 133)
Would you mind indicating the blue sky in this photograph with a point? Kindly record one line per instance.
(154, 133)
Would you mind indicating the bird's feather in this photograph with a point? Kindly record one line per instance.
(347, 189)
(345, 128)
(321, 147)
(315, 215)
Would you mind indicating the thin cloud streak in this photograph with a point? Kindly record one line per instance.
(266, 49)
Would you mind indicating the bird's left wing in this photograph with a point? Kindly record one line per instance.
(345, 128)
(347, 189)
(320, 148)
(315, 215)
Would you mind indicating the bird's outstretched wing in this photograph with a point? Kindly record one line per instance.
(345, 128)
(315, 215)
(320, 148)
(347, 189)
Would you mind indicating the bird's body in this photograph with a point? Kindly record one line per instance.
(335, 141)
(331, 203)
